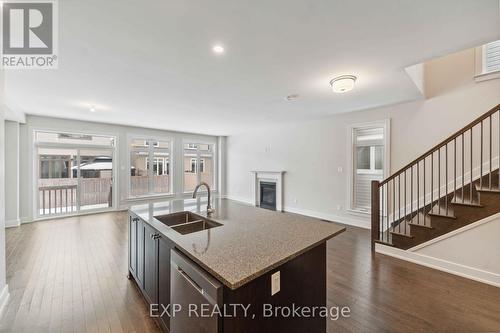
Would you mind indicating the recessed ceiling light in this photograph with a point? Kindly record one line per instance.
(219, 49)
(92, 109)
(342, 84)
(292, 97)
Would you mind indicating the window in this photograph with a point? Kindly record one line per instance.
(491, 57)
(198, 165)
(488, 61)
(368, 162)
(75, 172)
(149, 178)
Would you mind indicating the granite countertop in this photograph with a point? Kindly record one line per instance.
(251, 242)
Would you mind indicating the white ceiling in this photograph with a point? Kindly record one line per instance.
(150, 63)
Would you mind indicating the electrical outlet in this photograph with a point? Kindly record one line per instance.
(340, 169)
(275, 283)
(295, 200)
(339, 207)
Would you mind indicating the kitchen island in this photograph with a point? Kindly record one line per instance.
(254, 261)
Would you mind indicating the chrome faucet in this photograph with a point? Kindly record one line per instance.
(210, 210)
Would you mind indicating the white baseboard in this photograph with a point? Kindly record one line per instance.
(12, 223)
(324, 216)
(4, 298)
(26, 220)
(366, 224)
(239, 199)
(442, 265)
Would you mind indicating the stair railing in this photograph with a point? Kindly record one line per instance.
(427, 184)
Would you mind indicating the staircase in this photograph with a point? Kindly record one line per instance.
(448, 187)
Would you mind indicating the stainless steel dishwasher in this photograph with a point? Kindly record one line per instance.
(197, 293)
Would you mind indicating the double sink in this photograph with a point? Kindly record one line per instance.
(187, 222)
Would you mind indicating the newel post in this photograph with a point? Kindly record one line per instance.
(375, 216)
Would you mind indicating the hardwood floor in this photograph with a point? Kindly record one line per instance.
(69, 275)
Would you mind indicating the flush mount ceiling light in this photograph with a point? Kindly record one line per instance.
(292, 97)
(218, 49)
(92, 109)
(342, 84)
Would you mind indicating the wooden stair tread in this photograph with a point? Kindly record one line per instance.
(402, 229)
(439, 209)
(486, 188)
(421, 221)
(466, 201)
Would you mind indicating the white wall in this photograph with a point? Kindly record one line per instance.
(482, 250)
(4, 289)
(311, 152)
(121, 132)
(12, 174)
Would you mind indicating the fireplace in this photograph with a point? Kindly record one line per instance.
(268, 189)
(268, 195)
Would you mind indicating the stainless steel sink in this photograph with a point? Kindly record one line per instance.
(178, 218)
(196, 226)
(186, 222)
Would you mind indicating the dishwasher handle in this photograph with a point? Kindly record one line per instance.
(208, 286)
(191, 281)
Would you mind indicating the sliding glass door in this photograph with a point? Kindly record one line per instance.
(73, 176)
(57, 185)
(95, 179)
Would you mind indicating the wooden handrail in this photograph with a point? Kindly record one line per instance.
(442, 144)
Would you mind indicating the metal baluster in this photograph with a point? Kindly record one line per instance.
(446, 178)
(480, 163)
(394, 202)
(66, 197)
(418, 193)
(425, 165)
(387, 210)
(432, 181)
(399, 201)
(490, 155)
(439, 180)
(455, 168)
(50, 202)
(463, 167)
(470, 185)
(411, 192)
(404, 215)
(383, 209)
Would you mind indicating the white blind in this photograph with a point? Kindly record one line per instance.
(492, 57)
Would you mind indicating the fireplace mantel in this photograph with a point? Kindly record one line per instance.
(269, 176)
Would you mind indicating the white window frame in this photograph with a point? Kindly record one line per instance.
(215, 170)
(386, 125)
(151, 149)
(480, 73)
(372, 170)
(35, 172)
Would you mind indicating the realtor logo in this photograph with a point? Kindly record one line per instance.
(29, 36)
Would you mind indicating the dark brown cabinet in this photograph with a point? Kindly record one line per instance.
(150, 289)
(149, 264)
(132, 239)
(164, 248)
(136, 249)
